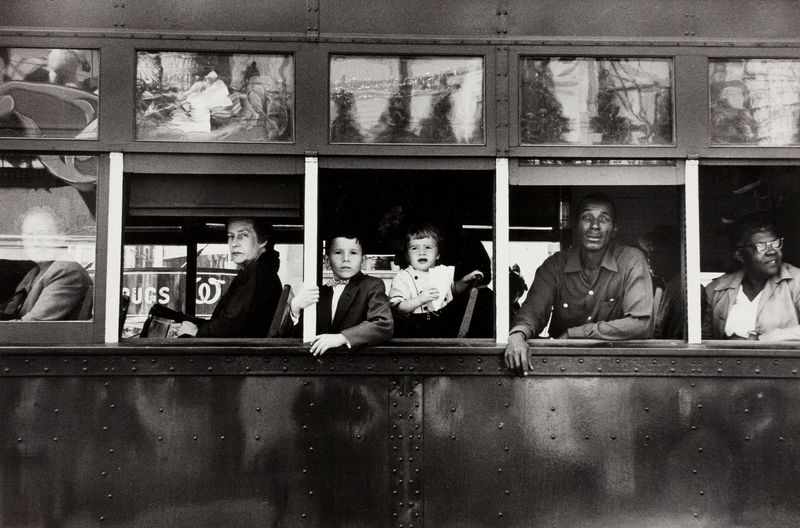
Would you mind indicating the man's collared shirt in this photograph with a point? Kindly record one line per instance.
(618, 304)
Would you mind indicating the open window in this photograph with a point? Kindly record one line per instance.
(647, 199)
(383, 205)
(176, 252)
(749, 227)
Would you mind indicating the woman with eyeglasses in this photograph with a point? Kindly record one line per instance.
(761, 301)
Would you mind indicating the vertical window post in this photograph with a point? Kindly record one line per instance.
(114, 253)
(310, 257)
(692, 208)
(501, 247)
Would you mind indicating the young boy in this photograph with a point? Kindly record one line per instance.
(421, 293)
(353, 309)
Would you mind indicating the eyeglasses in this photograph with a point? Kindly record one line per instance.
(761, 247)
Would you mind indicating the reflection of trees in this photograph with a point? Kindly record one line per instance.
(393, 123)
(437, 128)
(730, 124)
(344, 128)
(542, 120)
(615, 129)
(622, 105)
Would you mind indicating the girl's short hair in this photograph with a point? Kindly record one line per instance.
(426, 230)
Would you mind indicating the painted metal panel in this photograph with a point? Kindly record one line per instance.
(196, 451)
(273, 16)
(410, 17)
(656, 19)
(611, 452)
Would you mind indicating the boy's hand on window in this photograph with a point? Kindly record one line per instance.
(305, 297)
(323, 342)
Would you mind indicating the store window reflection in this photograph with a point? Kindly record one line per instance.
(47, 237)
(754, 101)
(49, 93)
(190, 96)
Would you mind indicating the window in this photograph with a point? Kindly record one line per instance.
(642, 221)
(47, 237)
(178, 266)
(431, 100)
(754, 102)
(452, 209)
(588, 101)
(49, 93)
(190, 96)
(741, 208)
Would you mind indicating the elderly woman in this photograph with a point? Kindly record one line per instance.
(248, 305)
(761, 301)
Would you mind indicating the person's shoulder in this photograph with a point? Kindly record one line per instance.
(791, 272)
(623, 252)
(558, 259)
(726, 281)
(67, 268)
(367, 283)
(794, 271)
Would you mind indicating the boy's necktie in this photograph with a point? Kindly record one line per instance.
(335, 282)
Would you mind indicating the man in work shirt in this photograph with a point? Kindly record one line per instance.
(595, 290)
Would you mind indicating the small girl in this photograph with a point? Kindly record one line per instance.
(421, 295)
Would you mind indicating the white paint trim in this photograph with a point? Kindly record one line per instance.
(501, 250)
(310, 224)
(114, 247)
(692, 208)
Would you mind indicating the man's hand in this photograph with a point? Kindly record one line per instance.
(188, 328)
(323, 342)
(518, 354)
(305, 297)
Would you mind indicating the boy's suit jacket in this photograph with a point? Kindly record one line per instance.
(363, 314)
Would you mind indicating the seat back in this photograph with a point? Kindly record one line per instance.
(85, 312)
(467, 318)
(281, 311)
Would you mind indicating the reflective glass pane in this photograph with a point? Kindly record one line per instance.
(47, 237)
(406, 100)
(754, 101)
(187, 96)
(49, 93)
(587, 101)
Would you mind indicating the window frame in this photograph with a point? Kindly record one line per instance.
(74, 332)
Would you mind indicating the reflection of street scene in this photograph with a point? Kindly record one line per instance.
(50, 93)
(596, 101)
(754, 101)
(214, 97)
(399, 100)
